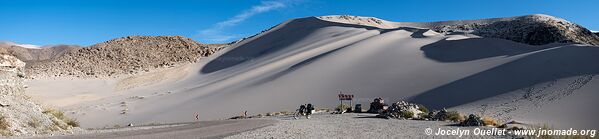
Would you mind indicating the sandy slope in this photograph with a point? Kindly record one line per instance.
(310, 60)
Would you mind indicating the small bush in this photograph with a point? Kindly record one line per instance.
(57, 125)
(424, 115)
(4, 125)
(56, 113)
(72, 122)
(489, 121)
(343, 107)
(422, 108)
(407, 114)
(455, 116)
(60, 115)
(35, 123)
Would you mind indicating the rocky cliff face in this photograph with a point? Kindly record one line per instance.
(127, 55)
(19, 115)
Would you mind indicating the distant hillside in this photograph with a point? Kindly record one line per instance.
(537, 29)
(127, 55)
(39, 54)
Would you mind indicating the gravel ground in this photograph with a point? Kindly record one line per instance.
(353, 125)
(194, 130)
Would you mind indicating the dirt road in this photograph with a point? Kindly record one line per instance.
(196, 130)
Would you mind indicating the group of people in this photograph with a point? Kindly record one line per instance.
(304, 110)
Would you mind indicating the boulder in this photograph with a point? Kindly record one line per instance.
(377, 106)
(402, 110)
(473, 120)
(439, 115)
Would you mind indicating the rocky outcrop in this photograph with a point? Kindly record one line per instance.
(535, 29)
(440, 115)
(18, 114)
(127, 55)
(377, 106)
(402, 110)
(473, 120)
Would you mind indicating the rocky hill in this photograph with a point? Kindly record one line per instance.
(18, 114)
(127, 55)
(537, 29)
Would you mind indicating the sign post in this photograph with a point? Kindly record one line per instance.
(343, 97)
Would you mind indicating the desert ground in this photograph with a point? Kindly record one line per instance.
(201, 129)
(352, 125)
(321, 125)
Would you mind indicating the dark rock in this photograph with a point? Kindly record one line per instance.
(377, 106)
(439, 115)
(473, 120)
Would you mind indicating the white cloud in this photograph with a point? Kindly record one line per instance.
(215, 34)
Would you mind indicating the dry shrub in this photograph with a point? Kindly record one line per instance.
(343, 107)
(489, 121)
(455, 116)
(35, 123)
(72, 122)
(4, 127)
(407, 114)
(56, 113)
(423, 108)
(60, 115)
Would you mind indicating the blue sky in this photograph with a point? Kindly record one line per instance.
(87, 22)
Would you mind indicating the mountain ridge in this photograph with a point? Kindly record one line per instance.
(535, 29)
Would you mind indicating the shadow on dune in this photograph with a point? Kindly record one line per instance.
(418, 33)
(543, 66)
(278, 38)
(474, 48)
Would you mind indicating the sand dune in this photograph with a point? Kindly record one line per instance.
(309, 60)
